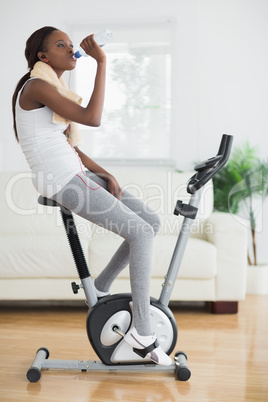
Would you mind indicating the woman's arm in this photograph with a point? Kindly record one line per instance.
(97, 98)
(113, 186)
(40, 92)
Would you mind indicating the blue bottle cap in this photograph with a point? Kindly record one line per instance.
(77, 54)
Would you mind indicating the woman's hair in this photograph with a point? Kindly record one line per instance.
(36, 43)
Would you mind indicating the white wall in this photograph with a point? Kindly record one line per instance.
(233, 62)
(220, 74)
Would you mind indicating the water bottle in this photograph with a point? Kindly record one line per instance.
(101, 38)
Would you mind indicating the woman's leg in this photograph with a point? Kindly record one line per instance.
(89, 200)
(121, 258)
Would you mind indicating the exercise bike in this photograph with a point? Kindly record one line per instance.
(110, 317)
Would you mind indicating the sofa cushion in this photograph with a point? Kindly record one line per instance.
(33, 242)
(39, 256)
(199, 261)
(20, 212)
(161, 187)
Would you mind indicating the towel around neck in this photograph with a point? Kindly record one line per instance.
(46, 73)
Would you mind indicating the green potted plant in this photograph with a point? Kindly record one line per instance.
(240, 188)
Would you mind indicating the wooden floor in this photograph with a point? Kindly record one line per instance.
(227, 354)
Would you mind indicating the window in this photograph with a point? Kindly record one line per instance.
(136, 116)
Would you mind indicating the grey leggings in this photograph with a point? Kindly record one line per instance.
(87, 196)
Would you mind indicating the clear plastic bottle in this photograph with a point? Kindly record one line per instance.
(101, 38)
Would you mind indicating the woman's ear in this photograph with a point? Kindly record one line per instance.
(41, 56)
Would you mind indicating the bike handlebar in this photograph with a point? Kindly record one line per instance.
(208, 168)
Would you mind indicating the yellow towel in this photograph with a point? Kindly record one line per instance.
(45, 72)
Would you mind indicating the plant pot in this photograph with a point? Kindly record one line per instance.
(257, 279)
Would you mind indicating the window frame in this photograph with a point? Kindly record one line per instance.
(170, 26)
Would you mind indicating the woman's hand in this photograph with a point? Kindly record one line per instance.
(91, 48)
(112, 184)
(114, 187)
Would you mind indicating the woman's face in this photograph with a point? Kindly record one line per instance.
(59, 52)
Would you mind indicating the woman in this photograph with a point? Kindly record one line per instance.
(68, 176)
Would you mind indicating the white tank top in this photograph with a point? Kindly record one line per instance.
(53, 161)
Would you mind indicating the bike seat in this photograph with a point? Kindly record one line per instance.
(48, 202)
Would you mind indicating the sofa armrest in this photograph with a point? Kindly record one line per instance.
(230, 237)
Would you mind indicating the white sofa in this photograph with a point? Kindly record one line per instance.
(36, 262)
